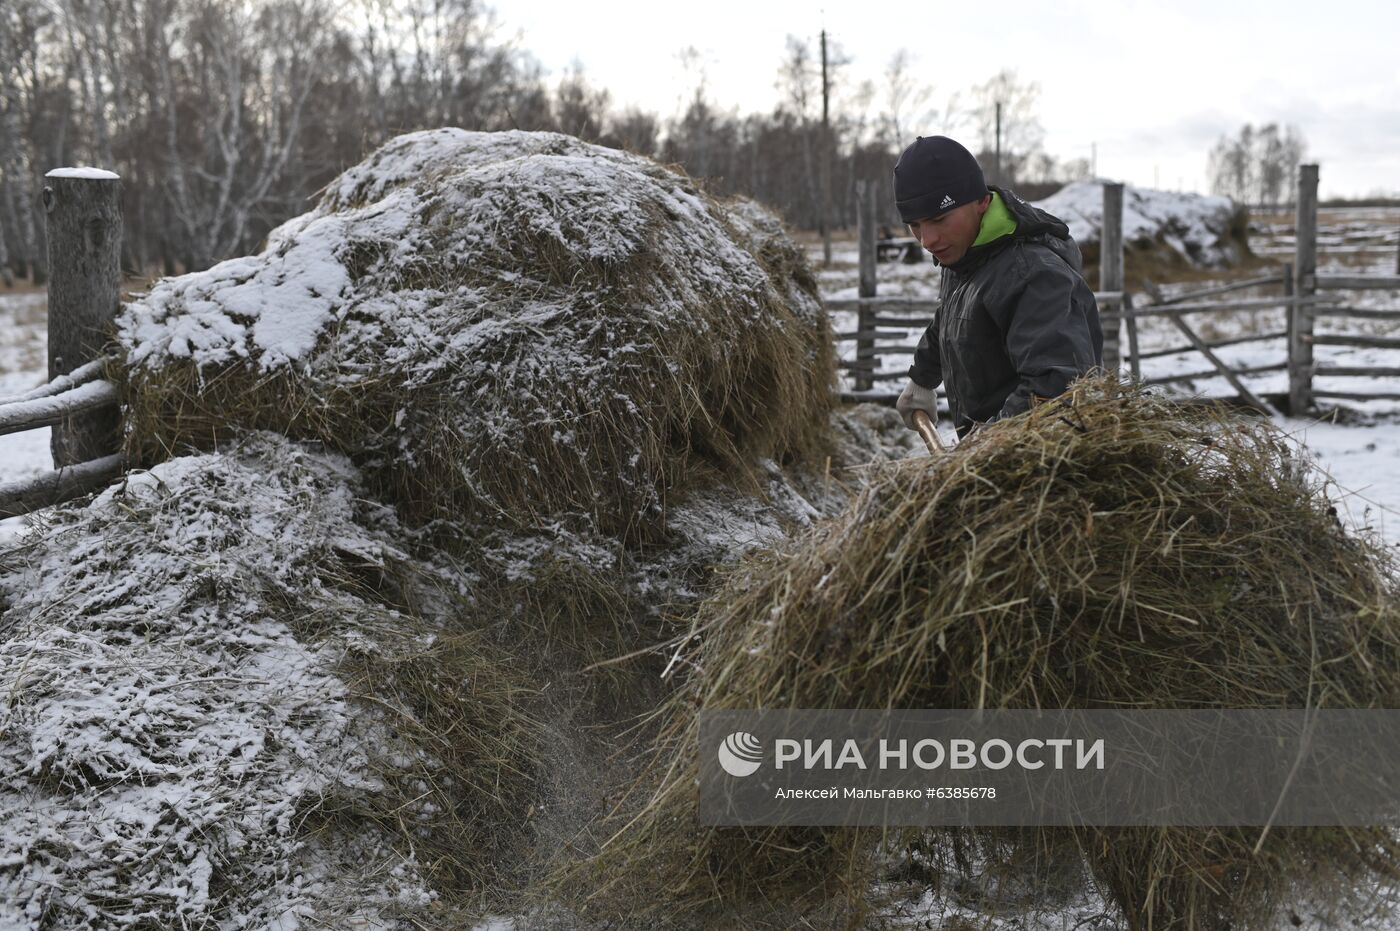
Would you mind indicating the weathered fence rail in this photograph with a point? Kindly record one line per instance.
(56, 410)
(1356, 282)
(883, 324)
(50, 488)
(83, 226)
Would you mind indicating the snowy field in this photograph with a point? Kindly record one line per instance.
(23, 365)
(1358, 444)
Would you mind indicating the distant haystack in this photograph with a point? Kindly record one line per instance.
(1167, 228)
(499, 325)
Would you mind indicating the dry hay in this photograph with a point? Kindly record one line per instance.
(344, 722)
(581, 384)
(232, 701)
(1110, 549)
(499, 327)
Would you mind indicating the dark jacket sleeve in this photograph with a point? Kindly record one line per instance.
(927, 370)
(1052, 334)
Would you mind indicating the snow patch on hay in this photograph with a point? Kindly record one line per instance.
(168, 730)
(452, 198)
(498, 323)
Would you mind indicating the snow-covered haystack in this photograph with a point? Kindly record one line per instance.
(223, 709)
(499, 326)
(491, 413)
(1109, 549)
(1163, 228)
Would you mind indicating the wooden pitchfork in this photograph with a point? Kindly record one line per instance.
(924, 425)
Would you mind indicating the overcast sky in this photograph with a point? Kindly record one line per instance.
(1152, 85)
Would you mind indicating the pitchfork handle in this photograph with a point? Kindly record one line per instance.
(924, 425)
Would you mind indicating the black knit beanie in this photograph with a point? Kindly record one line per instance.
(934, 175)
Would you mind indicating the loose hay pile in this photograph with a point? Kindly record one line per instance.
(1108, 550)
(217, 713)
(499, 326)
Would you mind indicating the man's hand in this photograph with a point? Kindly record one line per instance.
(916, 397)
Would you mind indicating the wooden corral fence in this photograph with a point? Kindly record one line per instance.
(83, 222)
(1301, 301)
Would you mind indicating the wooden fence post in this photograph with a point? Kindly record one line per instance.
(865, 314)
(1111, 270)
(1289, 319)
(1300, 319)
(1130, 324)
(83, 224)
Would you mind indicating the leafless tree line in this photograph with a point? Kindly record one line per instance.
(1257, 165)
(224, 116)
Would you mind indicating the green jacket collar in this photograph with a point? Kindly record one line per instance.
(996, 222)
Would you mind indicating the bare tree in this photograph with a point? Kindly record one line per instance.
(21, 24)
(1228, 165)
(1272, 172)
(579, 108)
(906, 99)
(1257, 166)
(799, 83)
(255, 69)
(223, 116)
(634, 130)
(1006, 102)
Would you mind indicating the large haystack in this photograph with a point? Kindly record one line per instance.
(566, 385)
(1108, 550)
(499, 326)
(226, 708)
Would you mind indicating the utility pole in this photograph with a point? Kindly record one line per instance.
(825, 221)
(998, 159)
(1093, 159)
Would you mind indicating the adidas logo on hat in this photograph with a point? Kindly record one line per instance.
(947, 202)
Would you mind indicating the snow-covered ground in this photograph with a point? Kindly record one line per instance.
(23, 365)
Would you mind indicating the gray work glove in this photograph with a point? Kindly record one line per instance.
(916, 397)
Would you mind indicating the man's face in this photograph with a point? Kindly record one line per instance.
(948, 236)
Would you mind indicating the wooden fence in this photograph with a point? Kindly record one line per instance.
(84, 231)
(1301, 301)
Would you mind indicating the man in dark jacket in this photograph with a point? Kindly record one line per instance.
(1015, 321)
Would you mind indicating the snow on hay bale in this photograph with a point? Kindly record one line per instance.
(1108, 549)
(224, 711)
(499, 325)
(1174, 229)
